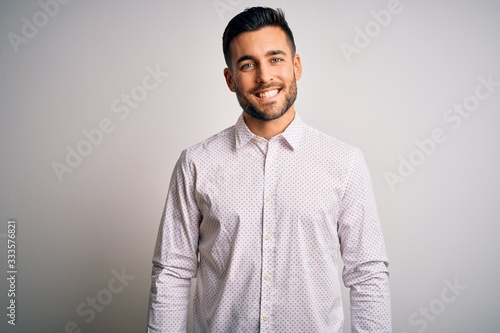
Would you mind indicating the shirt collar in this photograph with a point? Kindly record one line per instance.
(292, 134)
(242, 132)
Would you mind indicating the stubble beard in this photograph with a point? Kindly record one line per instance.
(252, 110)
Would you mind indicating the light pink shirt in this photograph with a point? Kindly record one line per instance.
(269, 220)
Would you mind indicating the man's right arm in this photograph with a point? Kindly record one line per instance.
(175, 257)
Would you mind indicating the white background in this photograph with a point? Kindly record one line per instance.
(441, 224)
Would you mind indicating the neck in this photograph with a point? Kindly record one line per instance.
(268, 129)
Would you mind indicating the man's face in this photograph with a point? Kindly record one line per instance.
(263, 73)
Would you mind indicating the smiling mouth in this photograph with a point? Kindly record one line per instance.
(267, 94)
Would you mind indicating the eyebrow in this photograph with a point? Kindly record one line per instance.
(251, 57)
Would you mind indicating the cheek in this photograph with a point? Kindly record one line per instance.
(288, 74)
(243, 81)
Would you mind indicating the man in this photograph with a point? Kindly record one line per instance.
(267, 205)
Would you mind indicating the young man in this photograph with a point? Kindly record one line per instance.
(268, 204)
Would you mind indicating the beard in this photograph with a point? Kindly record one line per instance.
(280, 110)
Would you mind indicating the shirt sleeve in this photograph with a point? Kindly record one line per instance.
(363, 252)
(175, 256)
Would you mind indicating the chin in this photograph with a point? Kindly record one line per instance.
(263, 115)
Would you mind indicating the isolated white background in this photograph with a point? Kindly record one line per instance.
(440, 224)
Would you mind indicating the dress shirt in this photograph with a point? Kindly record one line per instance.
(262, 224)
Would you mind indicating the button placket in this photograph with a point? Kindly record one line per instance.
(268, 249)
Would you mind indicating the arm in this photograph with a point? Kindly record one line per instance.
(175, 256)
(363, 252)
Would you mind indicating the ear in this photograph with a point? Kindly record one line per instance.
(229, 79)
(297, 66)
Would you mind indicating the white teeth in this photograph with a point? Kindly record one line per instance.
(269, 94)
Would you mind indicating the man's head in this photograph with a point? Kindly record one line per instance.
(262, 62)
(253, 19)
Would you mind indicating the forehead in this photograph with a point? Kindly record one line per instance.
(259, 42)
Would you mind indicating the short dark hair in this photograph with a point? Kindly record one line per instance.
(253, 19)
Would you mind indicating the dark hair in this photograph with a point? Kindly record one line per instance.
(252, 19)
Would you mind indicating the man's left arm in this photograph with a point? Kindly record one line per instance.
(363, 252)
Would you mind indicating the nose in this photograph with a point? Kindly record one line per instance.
(264, 73)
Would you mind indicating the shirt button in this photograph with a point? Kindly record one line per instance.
(267, 277)
(267, 237)
(268, 198)
(265, 318)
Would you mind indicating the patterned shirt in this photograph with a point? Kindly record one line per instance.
(261, 225)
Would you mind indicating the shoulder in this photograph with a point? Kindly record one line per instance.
(216, 145)
(341, 159)
(329, 146)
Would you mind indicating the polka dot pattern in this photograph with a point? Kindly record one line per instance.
(268, 220)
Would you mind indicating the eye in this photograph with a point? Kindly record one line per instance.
(276, 60)
(247, 65)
